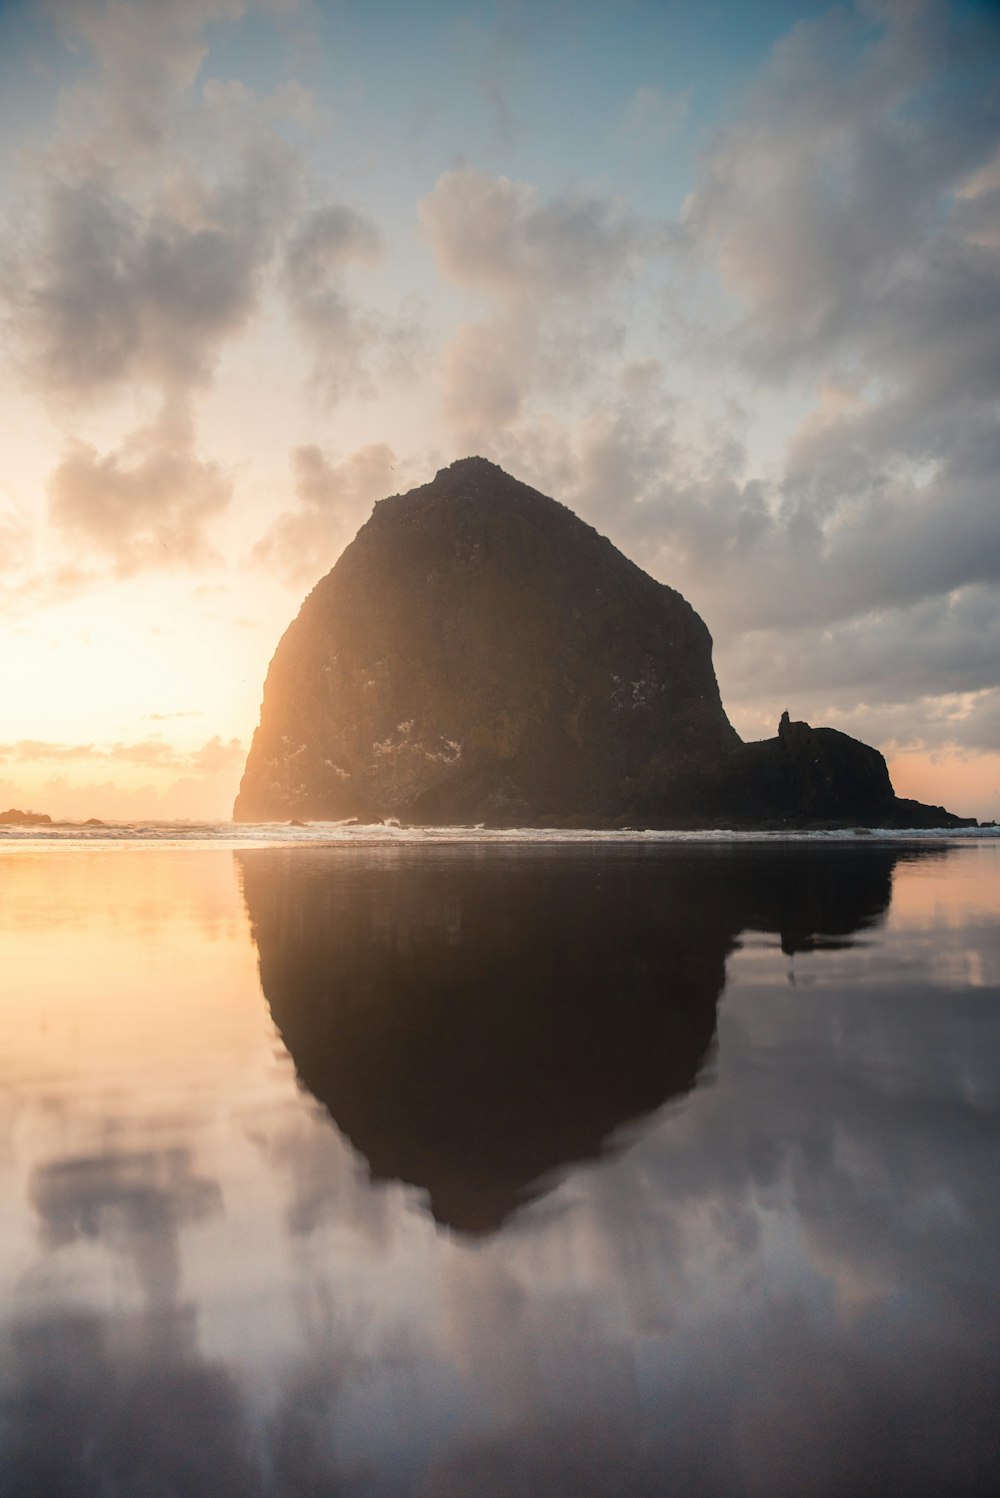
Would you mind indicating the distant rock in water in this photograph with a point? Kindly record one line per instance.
(14, 818)
(480, 654)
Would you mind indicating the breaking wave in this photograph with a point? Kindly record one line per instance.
(387, 834)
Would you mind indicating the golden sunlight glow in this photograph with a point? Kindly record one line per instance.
(124, 931)
(967, 784)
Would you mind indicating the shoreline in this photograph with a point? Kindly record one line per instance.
(388, 835)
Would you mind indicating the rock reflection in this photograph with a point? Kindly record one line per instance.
(476, 1024)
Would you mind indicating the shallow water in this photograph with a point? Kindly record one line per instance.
(461, 1168)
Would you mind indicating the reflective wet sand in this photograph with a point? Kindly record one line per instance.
(523, 1171)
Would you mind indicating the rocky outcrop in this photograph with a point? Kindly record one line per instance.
(804, 777)
(481, 655)
(15, 818)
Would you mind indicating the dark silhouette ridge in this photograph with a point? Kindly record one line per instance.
(474, 1026)
(480, 654)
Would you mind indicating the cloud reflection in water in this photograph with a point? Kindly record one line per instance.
(764, 1262)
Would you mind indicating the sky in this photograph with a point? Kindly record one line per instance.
(725, 279)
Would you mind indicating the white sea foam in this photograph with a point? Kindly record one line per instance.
(387, 834)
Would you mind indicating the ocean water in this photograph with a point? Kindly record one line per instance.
(389, 833)
(381, 1162)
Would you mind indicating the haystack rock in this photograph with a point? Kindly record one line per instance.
(480, 654)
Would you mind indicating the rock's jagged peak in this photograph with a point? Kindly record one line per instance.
(474, 478)
(478, 486)
(472, 467)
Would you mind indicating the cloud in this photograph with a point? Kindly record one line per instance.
(43, 588)
(153, 208)
(140, 256)
(213, 756)
(331, 498)
(111, 289)
(551, 269)
(328, 244)
(154, 213)
(145, 504)
(77, 781)
(487, 370)
(169, 717)
(945, 644)
(828, 205)
(884, 620)
(499, 236)
(147, 53)
(217, 755)
(161, 209)
(852, 211)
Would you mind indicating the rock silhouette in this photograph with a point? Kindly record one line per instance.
(480, 654)
(16, 818)
(475, 1026)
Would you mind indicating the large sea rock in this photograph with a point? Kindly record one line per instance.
(481, 654)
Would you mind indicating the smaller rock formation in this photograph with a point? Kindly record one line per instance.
(805, 777)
